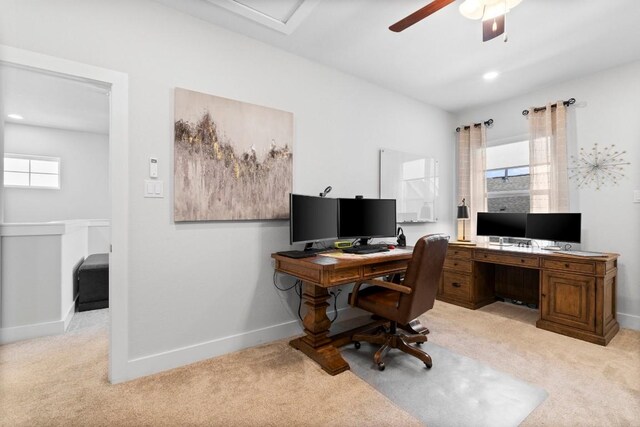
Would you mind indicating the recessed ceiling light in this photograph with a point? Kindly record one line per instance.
(490, 75)
(15, 116)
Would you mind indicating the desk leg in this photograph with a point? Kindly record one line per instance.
(316, 343)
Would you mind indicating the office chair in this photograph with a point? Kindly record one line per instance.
(400, 303)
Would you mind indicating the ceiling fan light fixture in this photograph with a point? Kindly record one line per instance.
(486, 9)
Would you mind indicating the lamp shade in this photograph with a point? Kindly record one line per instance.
(463, 212)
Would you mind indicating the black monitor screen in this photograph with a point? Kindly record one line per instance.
(559, 227)
(501, 224)
(366, 218)
(312, 218)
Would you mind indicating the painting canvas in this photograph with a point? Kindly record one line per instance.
(232, 160)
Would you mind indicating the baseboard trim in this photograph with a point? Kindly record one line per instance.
(628, 321)
(154, 363)
(70, 313)
(26, 332)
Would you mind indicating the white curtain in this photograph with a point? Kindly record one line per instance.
(472, 165)
(549, 180)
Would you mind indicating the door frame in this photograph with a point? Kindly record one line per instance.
(118, 83)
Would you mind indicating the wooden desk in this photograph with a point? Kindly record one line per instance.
(322, 272)
(576, 295)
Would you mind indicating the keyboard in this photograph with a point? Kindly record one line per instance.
(366, 249)
(581, 253)
(301, 254)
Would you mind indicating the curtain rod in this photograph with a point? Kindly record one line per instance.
(488, 124)
(566, 103)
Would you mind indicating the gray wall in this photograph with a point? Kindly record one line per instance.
(193, 287)
(606, 113)
(84, 175)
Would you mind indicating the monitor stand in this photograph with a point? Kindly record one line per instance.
(363, 241)
(501, 243)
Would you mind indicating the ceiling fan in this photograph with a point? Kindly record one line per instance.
(492, 13)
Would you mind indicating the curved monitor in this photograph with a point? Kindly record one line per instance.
(312, 218)
(559, 227)
(364, 218)
(501, 224)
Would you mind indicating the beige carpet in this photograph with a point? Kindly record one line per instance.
(62, 380)
(588, 385)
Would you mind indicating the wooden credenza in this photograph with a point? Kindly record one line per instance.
(576, 295)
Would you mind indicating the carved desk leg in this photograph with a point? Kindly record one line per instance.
(316, 343)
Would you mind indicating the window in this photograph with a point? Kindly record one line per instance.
(507, 177)
(24, 171)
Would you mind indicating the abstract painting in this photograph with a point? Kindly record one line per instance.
(232, 160)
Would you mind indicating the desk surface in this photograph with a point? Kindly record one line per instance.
(337, 268)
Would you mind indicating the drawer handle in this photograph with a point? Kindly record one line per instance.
(456, 285)
(455, 264)
(566, 265)
(485, 255)
(522, 260)
(374, 268)
(455, 252)
(544, 295)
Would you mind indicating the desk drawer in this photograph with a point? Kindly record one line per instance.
(461, 265)
(341, 275)
(573, 266)
(508, 259)
(456, 285)
(385, 268)
(458, 253)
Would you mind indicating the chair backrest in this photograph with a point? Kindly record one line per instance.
(423, 276)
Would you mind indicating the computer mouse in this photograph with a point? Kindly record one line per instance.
(390, 247)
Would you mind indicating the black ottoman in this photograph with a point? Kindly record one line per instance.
(93, 283)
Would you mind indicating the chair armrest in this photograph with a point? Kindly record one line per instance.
(388, 285)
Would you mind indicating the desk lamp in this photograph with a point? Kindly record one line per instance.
(463, 215)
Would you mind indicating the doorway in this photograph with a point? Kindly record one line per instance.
(116, 84)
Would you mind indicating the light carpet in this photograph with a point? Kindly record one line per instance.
(62, 380)
(456, 391)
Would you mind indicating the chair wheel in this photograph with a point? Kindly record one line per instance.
(418, 344)
(381, 366)
(428, 365)
(356, 344)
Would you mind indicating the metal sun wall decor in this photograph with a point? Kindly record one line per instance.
(598, 167)
(232, 160)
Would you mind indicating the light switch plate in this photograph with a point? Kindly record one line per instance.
(153, 188)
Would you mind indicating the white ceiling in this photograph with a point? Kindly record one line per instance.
(441, 60)
(55, 101)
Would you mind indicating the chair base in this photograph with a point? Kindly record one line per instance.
(394, 338)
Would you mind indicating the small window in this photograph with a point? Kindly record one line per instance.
(24, 171)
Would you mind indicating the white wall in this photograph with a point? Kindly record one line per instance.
(84, 163)
(194, 286)
(606, 112)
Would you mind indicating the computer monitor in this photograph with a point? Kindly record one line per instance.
(501, 224)
(366, 218)
(312, 218)
(559, 227)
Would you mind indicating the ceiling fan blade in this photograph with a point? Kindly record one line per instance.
(419, 15)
